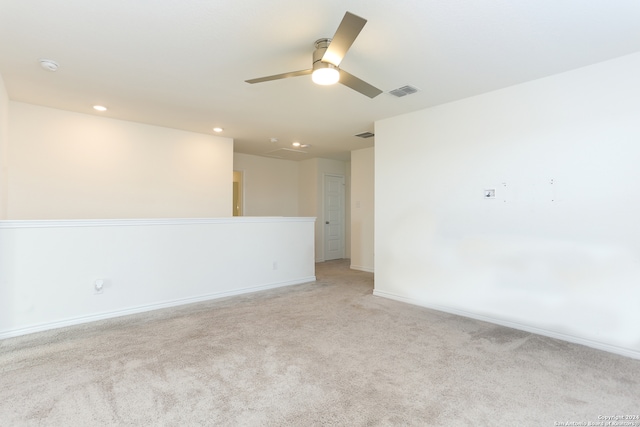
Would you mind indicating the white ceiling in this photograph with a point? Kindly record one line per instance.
(182, 64)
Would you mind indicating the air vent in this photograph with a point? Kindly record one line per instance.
(364, 135)
(286, 153)
(404, 90)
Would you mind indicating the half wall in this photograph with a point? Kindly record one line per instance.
(48, 269)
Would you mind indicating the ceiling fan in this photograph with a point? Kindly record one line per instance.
(327, 57)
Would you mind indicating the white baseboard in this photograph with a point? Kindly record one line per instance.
(361, 268)
(545, 332)
(144, 308)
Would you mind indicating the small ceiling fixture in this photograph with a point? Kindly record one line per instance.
(218, 130)
(99, 108)
(49, 65)
(299, 145)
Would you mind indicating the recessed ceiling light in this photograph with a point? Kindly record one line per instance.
(49, 65)
(299, 145)
(99, 108)
(218, 129)
(272, 139)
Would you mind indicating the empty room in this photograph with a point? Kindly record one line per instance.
(343, 213)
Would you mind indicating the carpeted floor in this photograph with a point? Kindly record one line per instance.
(323, 353)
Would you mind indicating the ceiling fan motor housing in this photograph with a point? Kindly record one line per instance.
(321, 48)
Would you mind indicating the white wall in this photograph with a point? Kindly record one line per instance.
(362, 209)
(558, 250)
(270, 185)
(308, 187)
(48, 268)
(4, 138)
(347, 196)
(290, 188)
(70, 165)
(308, 197)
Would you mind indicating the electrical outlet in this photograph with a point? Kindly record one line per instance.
(490, 193)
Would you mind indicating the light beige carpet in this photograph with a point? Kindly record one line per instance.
(323, 353)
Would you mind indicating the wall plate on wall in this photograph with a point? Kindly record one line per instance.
(490, 193)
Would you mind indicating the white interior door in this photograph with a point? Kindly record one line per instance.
(333, 217)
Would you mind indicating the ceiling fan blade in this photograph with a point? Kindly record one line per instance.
(281, 76)
(358, 85)
(344, 37)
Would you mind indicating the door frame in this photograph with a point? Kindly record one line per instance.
(343, 213)
(240, 182)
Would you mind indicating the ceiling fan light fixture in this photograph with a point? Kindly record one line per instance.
(325, 74)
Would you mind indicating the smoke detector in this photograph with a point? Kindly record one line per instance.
(49, 65)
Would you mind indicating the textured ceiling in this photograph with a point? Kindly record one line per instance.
(182, 64)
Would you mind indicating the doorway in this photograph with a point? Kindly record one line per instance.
(333, 217)
(238, 197)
